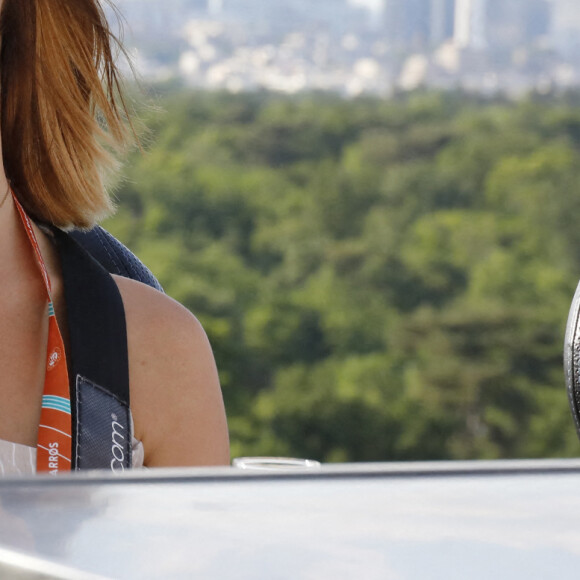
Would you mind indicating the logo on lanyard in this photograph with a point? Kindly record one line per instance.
(53, 359)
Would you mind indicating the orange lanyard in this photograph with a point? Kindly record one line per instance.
(53, 451)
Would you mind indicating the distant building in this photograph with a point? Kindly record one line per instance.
(565, 27)
(538, 19)
(513, 23)
(279, 16)
(471, 24)
(407, 23)
(412, 25)
(442, 21)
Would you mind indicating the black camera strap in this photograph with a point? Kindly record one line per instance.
(97, 359)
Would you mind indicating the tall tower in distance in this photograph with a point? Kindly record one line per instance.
(407, 23)
(442, 23)
(513, 23)
(471, 24)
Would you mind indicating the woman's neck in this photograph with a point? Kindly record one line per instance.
(10, 238)
(8, 224)
(17, 262)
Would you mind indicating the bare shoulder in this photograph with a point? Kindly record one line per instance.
(175, 394)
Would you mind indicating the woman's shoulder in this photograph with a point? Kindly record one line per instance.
(175, 394)
(148, 309)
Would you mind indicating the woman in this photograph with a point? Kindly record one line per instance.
(61, 114)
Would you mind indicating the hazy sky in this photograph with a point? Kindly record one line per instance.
(370, 4)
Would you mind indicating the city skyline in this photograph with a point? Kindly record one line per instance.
(358, 46)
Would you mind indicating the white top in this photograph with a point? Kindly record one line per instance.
(16, 459)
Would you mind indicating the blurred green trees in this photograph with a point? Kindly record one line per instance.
(379, 279)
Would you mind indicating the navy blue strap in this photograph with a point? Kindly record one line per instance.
(114, 256)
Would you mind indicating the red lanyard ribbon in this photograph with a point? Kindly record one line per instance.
(53, 451)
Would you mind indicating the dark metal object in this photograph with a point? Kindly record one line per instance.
(572, 358)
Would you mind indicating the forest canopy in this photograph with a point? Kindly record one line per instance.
(380, 279)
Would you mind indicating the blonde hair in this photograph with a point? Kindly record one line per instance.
(62, 114)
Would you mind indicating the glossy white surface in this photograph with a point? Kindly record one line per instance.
(443, 521)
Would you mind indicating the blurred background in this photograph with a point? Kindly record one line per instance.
(353, 47)
(372, 207)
